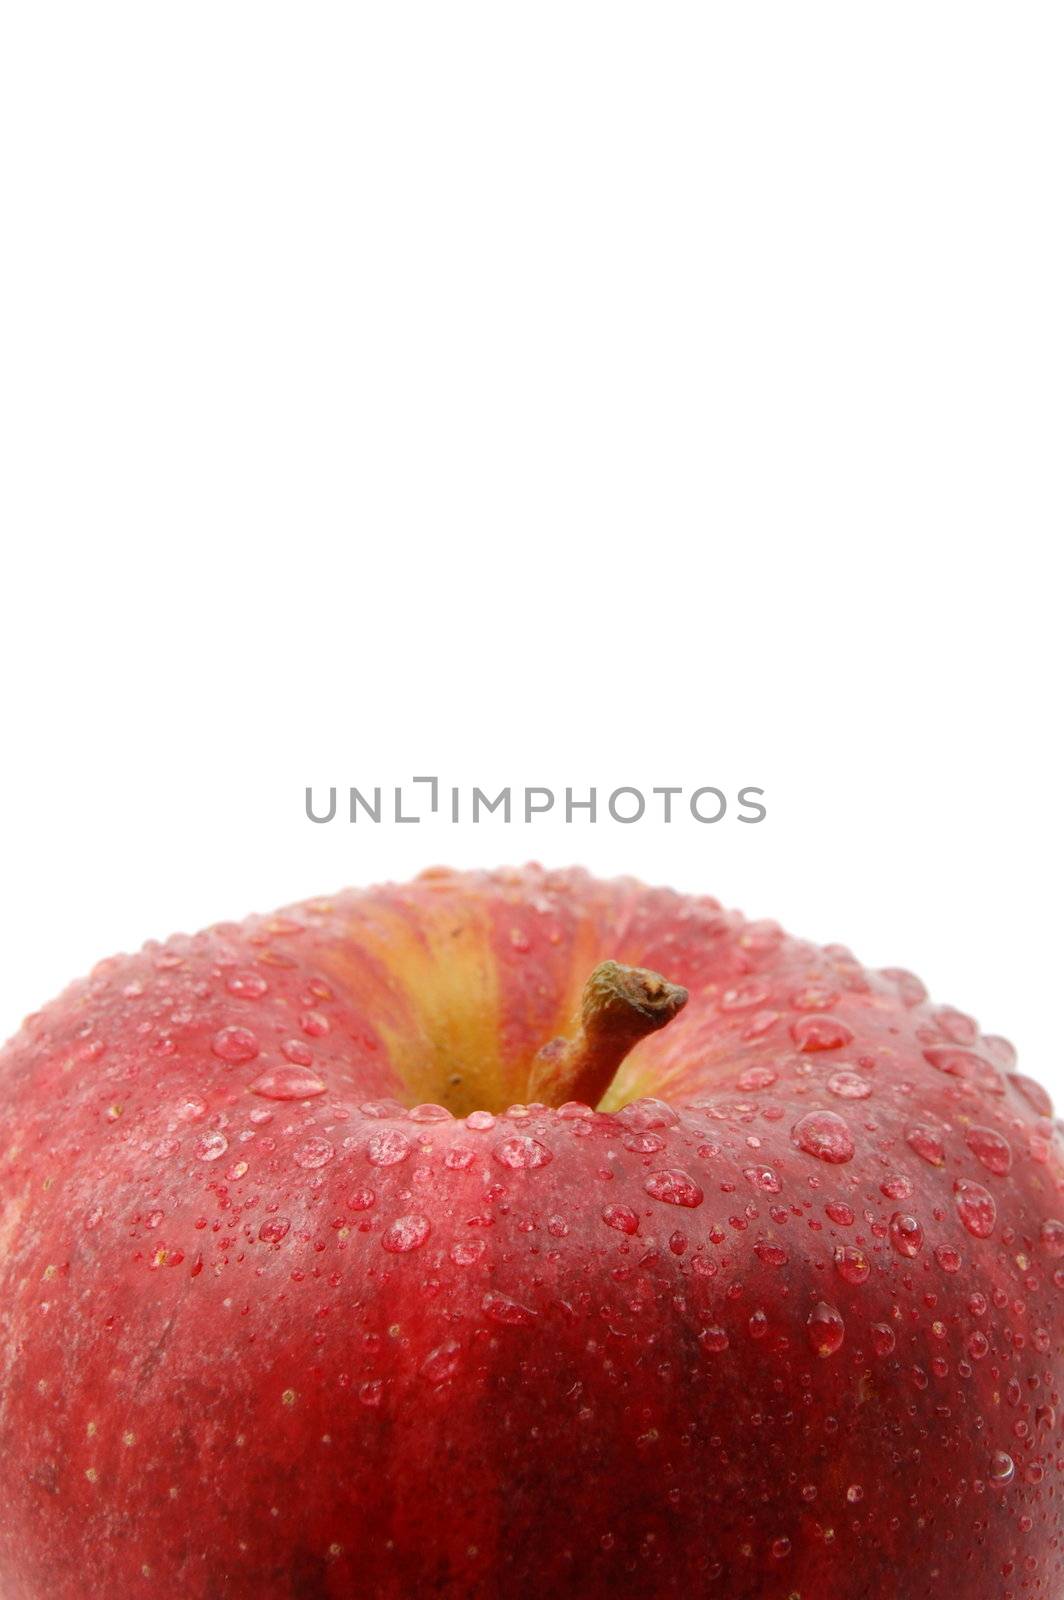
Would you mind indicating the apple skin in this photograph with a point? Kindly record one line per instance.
(704, 1341)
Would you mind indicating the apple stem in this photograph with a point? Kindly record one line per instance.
(620, 1005)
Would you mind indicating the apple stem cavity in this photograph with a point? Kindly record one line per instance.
(620, 1005)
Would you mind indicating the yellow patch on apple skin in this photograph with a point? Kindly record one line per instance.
(457, 982)
(11, 1220)
(425, 977)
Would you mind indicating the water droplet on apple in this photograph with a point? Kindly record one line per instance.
(772, 1254)
(287, 1083)
(814, 997)
(210, 1146)
(406, 1233)
(908, 985)
(840, 1212)
(510, 1313)
(442, 1363)
(480, 1121)
(522, 1153)
(883, 1340)
(896, 1186)
(297, 1051)
(812, 1033)
(1037, 1097)
(851, 1263)
(235, 1046)
(467, 1252)
(1052, 1236)
(763, 1178)
(643, 1143)
(1000, 1050)
(955, 1062)
(674, 1187)
(956, 1025)
(927, 1144)
(315, 1024)
(387, 1147)
(713, 1339)
(976, 1207)
(429, 1113)
(648, 1113)
(949, 1260)
(826, 1329)
(991, 1148)
(621, 1218)
(825, 1135)
(1002, 1468)
(744, 996)
(314, 1152)
(247, 985)
(849, 1086)
(760, 1023)
(757, 1078)
(906, 1234)
(274, 1229)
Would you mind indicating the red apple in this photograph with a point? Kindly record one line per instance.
(303, 1293)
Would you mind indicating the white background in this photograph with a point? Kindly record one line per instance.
(558, 394)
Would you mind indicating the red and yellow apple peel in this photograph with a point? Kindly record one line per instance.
(424, 1242)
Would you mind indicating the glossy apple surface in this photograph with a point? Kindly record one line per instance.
(301, 1298)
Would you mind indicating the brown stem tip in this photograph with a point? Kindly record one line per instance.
(620, 1005)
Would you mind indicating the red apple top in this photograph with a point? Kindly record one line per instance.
(520, 1233)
